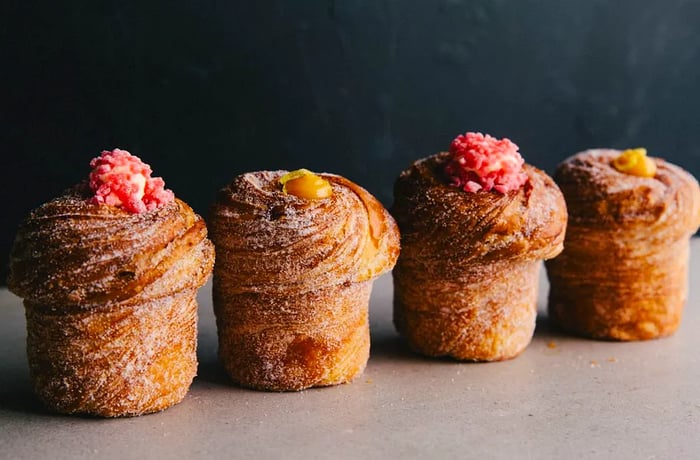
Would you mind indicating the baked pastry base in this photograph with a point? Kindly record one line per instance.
(486, 314)
(625, 297)
(118, 360)
(296, 341)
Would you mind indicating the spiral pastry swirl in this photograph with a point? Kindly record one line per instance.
(623, 272)
(293, 278)
(465, 284)
(110, 303)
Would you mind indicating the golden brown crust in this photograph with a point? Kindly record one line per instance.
(623, 273)
(292, 280)
(465, 284)
(110, 303)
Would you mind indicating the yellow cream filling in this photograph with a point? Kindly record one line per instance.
(635, 162)
(303, 183)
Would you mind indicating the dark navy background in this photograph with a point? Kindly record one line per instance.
(204, 90)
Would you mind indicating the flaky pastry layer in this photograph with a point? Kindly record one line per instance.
(465, 284)
(623, 272)
(292, 280)
(110, 303)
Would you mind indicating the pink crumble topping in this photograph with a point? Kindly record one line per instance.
(481, 162)
(121, 179)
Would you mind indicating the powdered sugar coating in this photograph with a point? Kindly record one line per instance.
(597, 194)
(253, 216)
(293, 278)
(110, 302)
(465, 284)
(623, 272)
